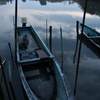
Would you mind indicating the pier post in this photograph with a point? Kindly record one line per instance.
(61, 48)
(46, 32)
(50, 42)
(16, 4)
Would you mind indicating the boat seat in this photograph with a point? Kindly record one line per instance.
(27, 55)
(41, 53)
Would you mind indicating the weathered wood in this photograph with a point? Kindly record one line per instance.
(50, 42)
(76, 48)
(61, 48)
(25, 55)
(41, 53)
(46, 32)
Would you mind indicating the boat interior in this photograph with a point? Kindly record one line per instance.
(40, 77)
(92, 34)
(29, 47)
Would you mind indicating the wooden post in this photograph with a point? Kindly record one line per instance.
(77, 68)
(61, 48)
(50, 42)
(5, 81)
(16, 2)
(46, 32)
(76, 42)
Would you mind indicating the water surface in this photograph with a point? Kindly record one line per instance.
(59, 14)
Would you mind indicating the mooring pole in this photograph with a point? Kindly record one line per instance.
(76, 42)
(80, 48)
(4, 76)
(50, 42)
(16, 4)
(61, 48)
(46, 32)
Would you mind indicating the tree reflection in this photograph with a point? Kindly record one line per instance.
(93, 6)
(24, 0)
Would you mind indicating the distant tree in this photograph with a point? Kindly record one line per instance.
(24, 0)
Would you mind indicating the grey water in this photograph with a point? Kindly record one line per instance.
(59, 14)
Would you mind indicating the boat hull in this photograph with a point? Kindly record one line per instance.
(92, 41)
(39, 72)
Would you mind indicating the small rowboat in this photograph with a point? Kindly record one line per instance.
(39, 72)
(91, 38)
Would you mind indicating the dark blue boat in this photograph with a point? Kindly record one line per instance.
(40, 73)
(91, 38)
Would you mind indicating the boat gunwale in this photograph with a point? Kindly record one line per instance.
(88, 37)
(28, 90)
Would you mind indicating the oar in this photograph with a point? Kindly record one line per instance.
(11, 55)
(76, 42)
(77, 68)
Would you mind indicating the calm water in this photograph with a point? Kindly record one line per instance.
(59, 13)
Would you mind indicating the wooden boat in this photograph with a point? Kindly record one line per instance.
(40, 74)
(91, 38)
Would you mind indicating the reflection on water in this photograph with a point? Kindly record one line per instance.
(59, 13)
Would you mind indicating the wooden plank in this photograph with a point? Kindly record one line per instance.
(41, 53)
(25, 55)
